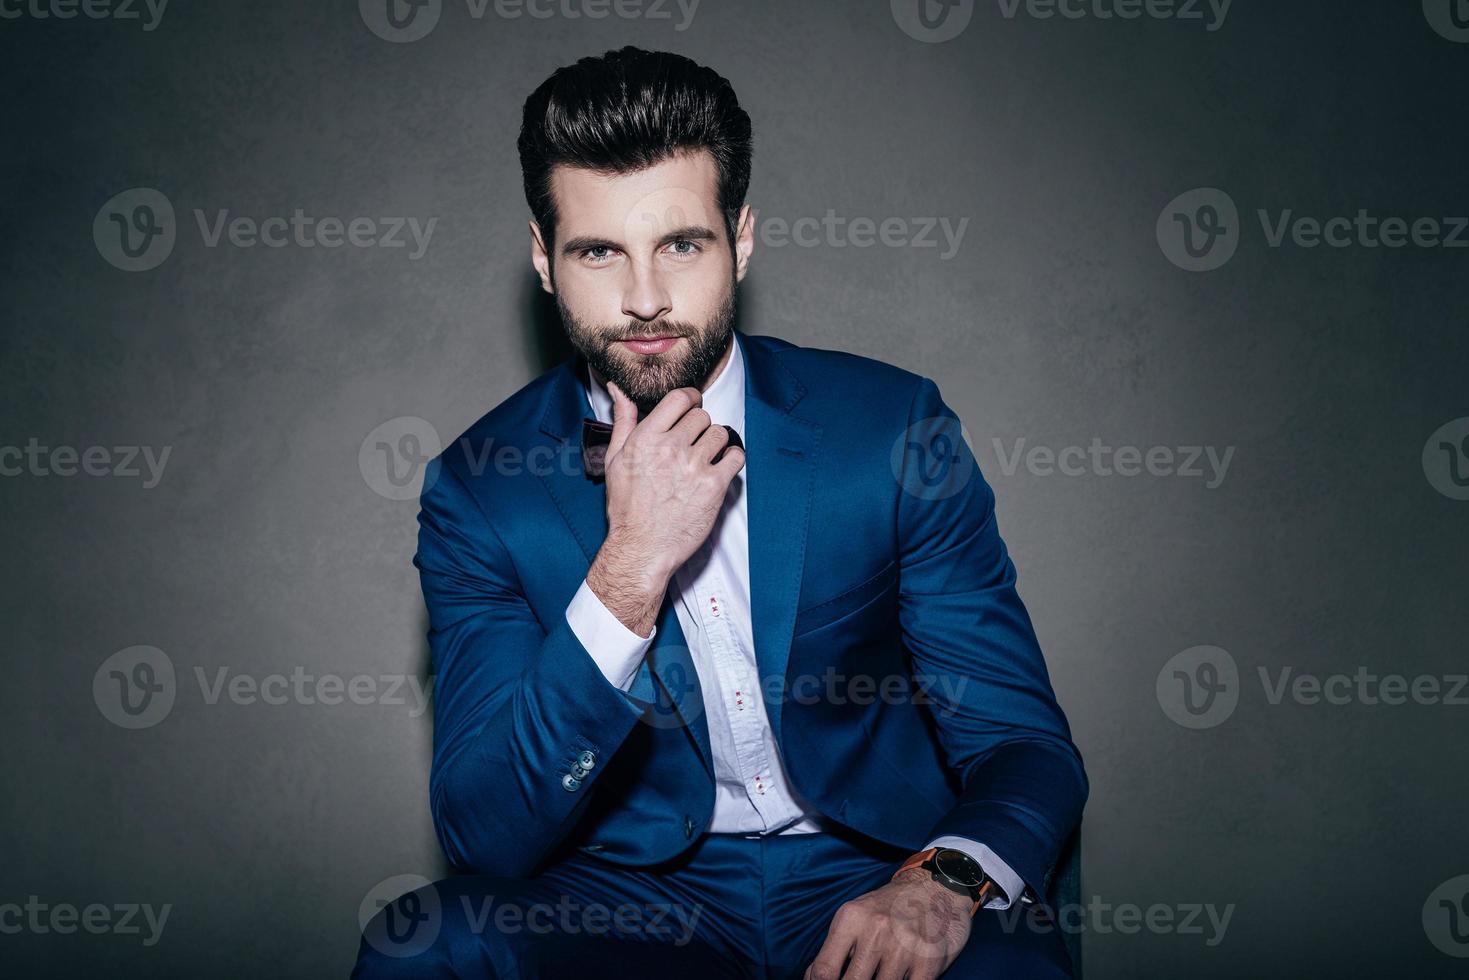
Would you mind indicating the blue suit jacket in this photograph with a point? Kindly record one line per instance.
(851, 576)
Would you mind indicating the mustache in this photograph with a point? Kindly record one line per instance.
(666, 329)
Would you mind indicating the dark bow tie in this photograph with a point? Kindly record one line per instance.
(596, 435)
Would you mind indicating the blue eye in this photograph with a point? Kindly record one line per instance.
(685, 247)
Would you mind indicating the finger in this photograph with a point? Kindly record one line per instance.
(624, 419)
(695, 423)
(708, 445)
(830, 959)
(864, 962)
(673, 407)
(894, 968)
(734, 460)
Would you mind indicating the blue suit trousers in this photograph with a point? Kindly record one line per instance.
(732, 906)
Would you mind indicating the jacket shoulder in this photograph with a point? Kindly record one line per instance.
(842, 373)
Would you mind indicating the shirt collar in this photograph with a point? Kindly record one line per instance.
(724, 400)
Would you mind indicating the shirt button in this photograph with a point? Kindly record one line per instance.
(570, 783)
(586, 760)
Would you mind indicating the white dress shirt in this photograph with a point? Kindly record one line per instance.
(711, 593)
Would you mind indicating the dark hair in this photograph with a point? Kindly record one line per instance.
(628, 110)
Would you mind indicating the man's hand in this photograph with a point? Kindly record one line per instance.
(663, 493)
(911, 927)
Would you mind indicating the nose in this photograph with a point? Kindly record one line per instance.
(646, 297)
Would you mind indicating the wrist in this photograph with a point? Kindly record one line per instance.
(631, 587)
(921, 879)
(954, 871)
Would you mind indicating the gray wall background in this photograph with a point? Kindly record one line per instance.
(1059, 319)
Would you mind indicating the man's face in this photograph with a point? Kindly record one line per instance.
(644, 274)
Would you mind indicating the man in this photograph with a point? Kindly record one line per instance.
(761, 698)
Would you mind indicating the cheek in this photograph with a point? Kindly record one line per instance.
(697, 293)
(591, 298)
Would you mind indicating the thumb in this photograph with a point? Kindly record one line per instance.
(624, 419)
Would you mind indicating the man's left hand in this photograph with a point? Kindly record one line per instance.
(912, 926)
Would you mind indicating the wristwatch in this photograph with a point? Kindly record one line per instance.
(956, 871)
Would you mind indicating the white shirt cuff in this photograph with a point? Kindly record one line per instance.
(1006, 878)
(616, 650)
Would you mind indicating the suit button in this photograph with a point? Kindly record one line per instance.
(578, 772)
(688, 827)
(570, 783)
(586, 760)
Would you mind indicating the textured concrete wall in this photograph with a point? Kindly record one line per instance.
(1003, 210)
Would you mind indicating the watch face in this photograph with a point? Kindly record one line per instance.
(958, 867)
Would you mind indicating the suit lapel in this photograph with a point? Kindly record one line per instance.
(779, 469)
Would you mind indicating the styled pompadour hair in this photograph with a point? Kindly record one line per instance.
(628, 110)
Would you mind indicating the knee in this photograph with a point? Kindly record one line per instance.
(424, 933)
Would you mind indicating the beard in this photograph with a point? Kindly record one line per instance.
(647, 378)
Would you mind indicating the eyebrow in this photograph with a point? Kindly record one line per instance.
(689, 233)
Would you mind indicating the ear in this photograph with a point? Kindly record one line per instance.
(540, 258)
(744, 242)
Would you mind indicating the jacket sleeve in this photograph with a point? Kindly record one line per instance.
(1022, 781)
(520, 707)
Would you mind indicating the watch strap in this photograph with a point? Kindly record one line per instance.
(985, 892)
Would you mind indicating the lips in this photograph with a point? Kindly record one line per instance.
(654, 345)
